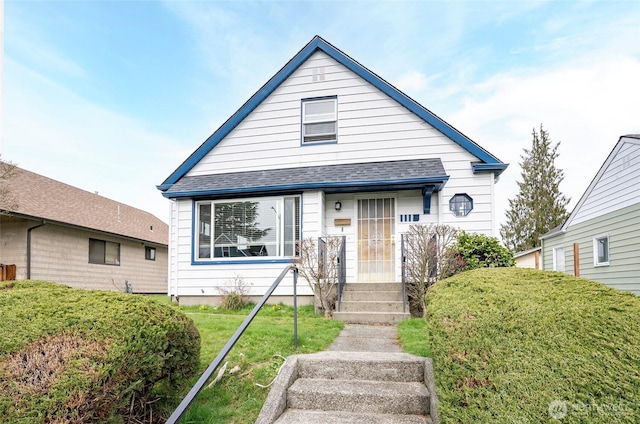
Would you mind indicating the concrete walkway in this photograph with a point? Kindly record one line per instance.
(367, 338)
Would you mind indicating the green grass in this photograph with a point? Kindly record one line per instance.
(506, 343)
(237, 398)
(414, 338)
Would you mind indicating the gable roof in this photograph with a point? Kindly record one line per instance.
(635, 138)
(371, 176)
(489, 163)
(42, 198)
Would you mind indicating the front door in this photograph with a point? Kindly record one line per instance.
(376, 240)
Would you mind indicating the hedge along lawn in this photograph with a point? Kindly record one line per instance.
(87, 356)
(510, 344)
(237, 398)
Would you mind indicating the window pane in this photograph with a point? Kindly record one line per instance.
(320, 110)
(96, 251)
(291, 225)
(603, 250)
(112, 253)
(246, 228)
(204, 231)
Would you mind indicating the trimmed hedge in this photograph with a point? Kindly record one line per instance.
(81, 356)
(513, 345)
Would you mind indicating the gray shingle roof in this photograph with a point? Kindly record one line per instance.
(330, 178)
(44, 198)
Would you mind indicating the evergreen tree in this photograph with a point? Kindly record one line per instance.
(539, 206)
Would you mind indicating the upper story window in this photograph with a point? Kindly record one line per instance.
(104, 252)
(601, 250)
(319, 120)
(247, 228)
(461, 204)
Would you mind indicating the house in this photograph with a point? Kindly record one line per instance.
(528, 258)
(325, 147)
(60, 233)
(601, 238)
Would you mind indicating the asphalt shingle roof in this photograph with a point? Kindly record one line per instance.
(44, 198)
(327, 177)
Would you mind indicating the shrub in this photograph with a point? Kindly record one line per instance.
(79, 356)
(510, 344)
(235, 295)
(481, 251)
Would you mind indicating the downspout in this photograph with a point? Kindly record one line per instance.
(29, 248)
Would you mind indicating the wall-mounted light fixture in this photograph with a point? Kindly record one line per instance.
(338, 205)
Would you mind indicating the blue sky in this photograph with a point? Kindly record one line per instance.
(111, 96)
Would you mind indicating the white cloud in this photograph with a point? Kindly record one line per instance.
(412, 81)
(584, 106)
(52, 131)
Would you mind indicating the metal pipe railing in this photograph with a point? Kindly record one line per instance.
(342, 269)
(190, 397)
(403, 258)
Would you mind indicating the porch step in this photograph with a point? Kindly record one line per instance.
(360, 396)
(296, 416)
(372, 303)
(370, 306)
(388, 318)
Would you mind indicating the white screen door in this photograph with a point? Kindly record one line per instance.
(376, 240)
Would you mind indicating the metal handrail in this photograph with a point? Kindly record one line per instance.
(403, 256)
(342, 269)
(190, 397)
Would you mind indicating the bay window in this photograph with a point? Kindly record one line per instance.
(247, 228)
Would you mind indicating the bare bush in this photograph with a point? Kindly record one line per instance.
(429, 258)
(235, 295)
(320, 267)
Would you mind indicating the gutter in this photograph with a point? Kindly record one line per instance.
(29, 248)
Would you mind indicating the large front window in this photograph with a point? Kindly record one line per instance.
(248, 227)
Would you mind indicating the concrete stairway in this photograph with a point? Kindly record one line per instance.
(372, 303)
(352, 388)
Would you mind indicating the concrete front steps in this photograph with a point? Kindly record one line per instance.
(352, 388)
(372, 303)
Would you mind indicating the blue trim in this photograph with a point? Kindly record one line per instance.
(489, 167)
(317, 43)
(245, 262)
(327, 187)
(426, 199)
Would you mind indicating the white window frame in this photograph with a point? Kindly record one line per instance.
(309, 120)
(558, 252)
(281, 243)
(596, 256)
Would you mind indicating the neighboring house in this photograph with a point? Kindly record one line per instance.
(325, 147)
(528, 258)
(601, 238)
(61, 233)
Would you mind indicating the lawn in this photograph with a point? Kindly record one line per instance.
(259, 353)
(523, 346)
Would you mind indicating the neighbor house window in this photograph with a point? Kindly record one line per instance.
(266, 227)
(104, 252)
(319, 120)
(601, 250)
(150, 253)
(558, 259)
(461, 204)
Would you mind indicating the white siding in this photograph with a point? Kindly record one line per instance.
(618, 185)
(371, 127)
